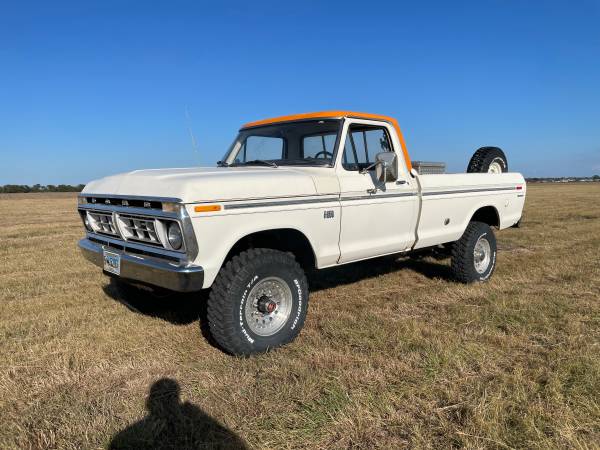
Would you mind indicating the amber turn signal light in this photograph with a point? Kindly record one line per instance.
(207, 208)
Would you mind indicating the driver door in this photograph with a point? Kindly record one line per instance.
(377, 218)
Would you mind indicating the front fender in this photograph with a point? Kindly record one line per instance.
(217, 234)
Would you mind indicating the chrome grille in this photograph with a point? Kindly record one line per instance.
(139, 229)
(102, 222)
(132, 224)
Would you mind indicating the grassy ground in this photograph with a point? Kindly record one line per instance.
(393, 354)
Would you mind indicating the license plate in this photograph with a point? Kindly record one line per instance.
(112, 262)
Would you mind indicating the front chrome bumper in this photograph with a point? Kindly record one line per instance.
(147, 269)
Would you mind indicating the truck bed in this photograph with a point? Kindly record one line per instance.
(448, 201)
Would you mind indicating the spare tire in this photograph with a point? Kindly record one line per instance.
(488, 160)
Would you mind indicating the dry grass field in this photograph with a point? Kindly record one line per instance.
(394, 354)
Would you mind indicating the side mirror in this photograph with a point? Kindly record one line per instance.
(386, 166)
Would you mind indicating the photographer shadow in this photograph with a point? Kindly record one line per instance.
(172, 424)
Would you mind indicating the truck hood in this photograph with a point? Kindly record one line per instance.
(208, 183)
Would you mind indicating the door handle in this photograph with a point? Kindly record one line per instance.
(401, 182)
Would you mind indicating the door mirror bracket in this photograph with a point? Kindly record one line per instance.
(386, 167)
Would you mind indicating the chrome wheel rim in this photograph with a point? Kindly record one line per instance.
(495, 167)
(269, 306)
(482, 255)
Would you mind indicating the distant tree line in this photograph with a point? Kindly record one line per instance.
(562, 179)
(24, 188)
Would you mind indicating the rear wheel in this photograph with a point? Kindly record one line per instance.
(258, 302)
(474, 254)
(488, 160)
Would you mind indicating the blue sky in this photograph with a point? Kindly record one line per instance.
(93, 88)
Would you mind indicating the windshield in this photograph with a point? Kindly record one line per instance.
(310, 142)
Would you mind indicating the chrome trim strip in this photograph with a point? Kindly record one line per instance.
(280, 203)
(467, 191)
(133, 197)
(362, 197)
(318, 200)
(379, 196)
(278, 197)
(142, 212)
(189, 236)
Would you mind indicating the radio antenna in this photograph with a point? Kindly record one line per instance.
(189, 127)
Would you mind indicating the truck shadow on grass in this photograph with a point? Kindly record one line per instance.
(184, 309)
(355, 272)
(172, 307)
(171, 423)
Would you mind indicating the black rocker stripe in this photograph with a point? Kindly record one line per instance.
(281, 203)
(468, 191)
(358, 197)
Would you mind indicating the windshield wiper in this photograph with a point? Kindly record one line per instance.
(223, 164)
(261, 161)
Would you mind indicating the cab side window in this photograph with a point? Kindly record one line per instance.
(362, 144)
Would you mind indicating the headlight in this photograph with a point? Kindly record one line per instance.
(174, 236)
(86, 221)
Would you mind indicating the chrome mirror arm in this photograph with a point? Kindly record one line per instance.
(366, 169)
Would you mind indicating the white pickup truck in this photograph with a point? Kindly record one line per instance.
(292, 194)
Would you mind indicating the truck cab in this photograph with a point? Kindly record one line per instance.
(343, 153)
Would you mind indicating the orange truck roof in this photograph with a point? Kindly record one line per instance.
(336, 114)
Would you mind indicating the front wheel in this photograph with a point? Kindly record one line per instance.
(474, 254)
(258, 302)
